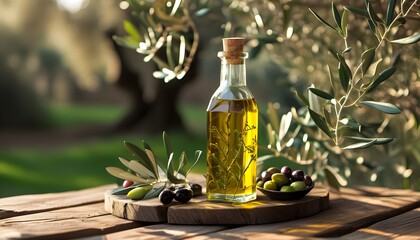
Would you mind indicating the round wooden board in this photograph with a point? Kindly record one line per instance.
(200, 211)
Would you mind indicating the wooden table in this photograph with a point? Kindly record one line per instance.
(358, 213)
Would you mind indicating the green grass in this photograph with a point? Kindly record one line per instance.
(31, 171)
(66, 115)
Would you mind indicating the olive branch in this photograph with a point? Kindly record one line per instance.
(146, 169)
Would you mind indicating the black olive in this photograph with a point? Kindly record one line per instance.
(286, 171)
(297, 175)
(307, 180)
(183, 195)
(166, 196)
(266, 176)
(196, 189)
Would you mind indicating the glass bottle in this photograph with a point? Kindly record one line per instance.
(232, 128)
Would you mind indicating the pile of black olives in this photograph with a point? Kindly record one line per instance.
(283, 179)
(181, 194)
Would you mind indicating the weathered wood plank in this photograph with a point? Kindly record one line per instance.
(405, 226)
(160, 231)
(74, 222)
(255, 212)
(27, 204)
(348, 212)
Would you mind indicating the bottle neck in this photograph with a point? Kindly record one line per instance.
(232, 74)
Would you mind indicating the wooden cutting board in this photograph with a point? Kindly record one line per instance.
(200, 211)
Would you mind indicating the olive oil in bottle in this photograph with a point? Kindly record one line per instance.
(232, 128)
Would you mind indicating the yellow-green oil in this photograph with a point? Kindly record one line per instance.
(232, 130)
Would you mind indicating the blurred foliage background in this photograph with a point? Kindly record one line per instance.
(69, 95)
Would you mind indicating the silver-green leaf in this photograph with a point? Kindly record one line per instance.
(390, 12)
(359, 145)
(321, 93)
(387, 73)
(358, 11)
(367, 58)
(383, 107)
(302, 98)
(320, 122)
(336, 15)
(322, 20)
(378, 141)
(344, 79)
(408, 40)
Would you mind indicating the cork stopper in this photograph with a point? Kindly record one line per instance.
(233, 50)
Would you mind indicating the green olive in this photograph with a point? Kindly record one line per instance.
(298, 185)
(280, 179)
(287, 189)
(139, 192)
(270, 185)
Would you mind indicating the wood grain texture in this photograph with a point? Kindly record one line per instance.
(21, 205)
(81, 221)
(405, 227)
(348, 212)
(150, 210)
(160, 231)
(261, 211)
(200, 211)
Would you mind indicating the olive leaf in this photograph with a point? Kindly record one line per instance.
(197, 157)
(321, 93)
(142, 156)
(383, 107)
(182, 162)
(348, 49)
(344, 78)
(167, 144)
(119, 173)
(351, 123)
(367, 58)
(331, 78)
(357, 11)
(344, 64)
(322, 20)
(390, 12)
(372, 14)
(124, 191)
(377, 140)
(302, 98)
(387, 73)
(359, 145)
(336, 15)
(140, 170)
(154, 192)
(285, 123)
(327, 117)
(372, 26)
(125, 162)
(344, 23)
(320, 122)
(152, 159)
(408, 40)
(170, 174)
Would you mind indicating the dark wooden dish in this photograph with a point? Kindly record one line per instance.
(277, 195)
